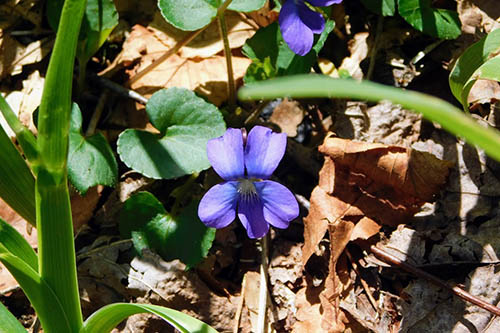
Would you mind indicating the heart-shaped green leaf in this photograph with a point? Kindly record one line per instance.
(90, 160)
(441, 23)
(195, 14)
(271, 56)
(183, 237)
(381, 7)
(186, 122)
(469, 62)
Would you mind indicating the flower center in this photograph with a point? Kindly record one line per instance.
(247, 190)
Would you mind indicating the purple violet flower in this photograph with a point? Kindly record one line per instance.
(245, 167)
(298, 23)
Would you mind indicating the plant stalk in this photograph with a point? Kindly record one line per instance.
(229, 61)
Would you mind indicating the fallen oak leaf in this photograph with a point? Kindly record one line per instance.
(362, 186)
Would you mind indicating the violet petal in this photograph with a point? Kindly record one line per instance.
(280, 205)
(251, 216)
(225, 154)
(311, 19)
(296, 33)
(263, 152)
(323, 3)
(217, 208)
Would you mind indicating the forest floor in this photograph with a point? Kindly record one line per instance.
(443, 217)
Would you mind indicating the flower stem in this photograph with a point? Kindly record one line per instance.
(261, 320)
(229, 62)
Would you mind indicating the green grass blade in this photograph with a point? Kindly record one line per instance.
(106, 318)
(432, 108)
(46, 304)
(9, 322)
(17, 184)
(15, 243)
(57, 263)
(24, 136)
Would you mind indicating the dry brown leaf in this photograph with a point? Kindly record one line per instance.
(484, 91)
(207, 76)
(416, 174)
(478, 15)
(7, 282)
(264, 16)
(82, 207)
(208, 43)
(361, 186)
(288, 115)
(358, 47)
(14, 55)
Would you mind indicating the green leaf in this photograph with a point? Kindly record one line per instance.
(106, 318)
(15, 243)
(26, 139)
(469, 62)
(144, 219)
(188, 14)
(186, 123)
(56, 248)
(9, 323)
(441, 23)
(246, 5)
(90, 160)
(434, 109)
(195, 14)
(271, 56)
(490, 70)
(100, 19)
(17, 184)
(41, 296)
(381, 7)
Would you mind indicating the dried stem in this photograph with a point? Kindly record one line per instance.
(261, 321)
(382, 255)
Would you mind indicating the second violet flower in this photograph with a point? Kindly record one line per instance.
(245, 167)
(298, 23)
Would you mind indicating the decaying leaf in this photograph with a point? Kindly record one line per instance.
(199, 66)
(361, 187)
(478, 15)
(288, 115)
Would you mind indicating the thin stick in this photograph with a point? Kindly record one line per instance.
(175, 49)
(363, 282)
(115, 87)
(97, 113)
(239, 309)
(229, 62)
(261, 320)
(382, 255)
(165, 56)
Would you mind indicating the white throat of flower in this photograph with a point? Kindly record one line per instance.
(247, 190)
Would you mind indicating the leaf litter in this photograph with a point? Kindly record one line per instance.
(392, 180)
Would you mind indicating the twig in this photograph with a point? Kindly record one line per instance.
(174, 49)
(165, 56)
(261, 320)
(363, 282)
(382, 255)
(97, 113)
(115, 87)
(239, 309)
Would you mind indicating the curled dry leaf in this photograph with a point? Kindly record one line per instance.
(361, 187)
(199, 66)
